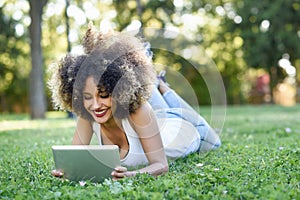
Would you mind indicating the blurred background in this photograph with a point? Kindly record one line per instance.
(255, 45)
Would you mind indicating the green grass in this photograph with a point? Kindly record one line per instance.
(259, 159)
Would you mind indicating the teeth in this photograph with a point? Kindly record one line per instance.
(99, 112)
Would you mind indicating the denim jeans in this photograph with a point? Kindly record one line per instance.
(171, 105)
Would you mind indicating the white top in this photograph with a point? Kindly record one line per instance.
(178, 137)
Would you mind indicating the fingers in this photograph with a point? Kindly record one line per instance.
(57, 173)
(119, 173)
(120, 169)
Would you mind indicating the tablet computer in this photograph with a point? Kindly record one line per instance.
(86, 162)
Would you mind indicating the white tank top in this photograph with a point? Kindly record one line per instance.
(177, 136)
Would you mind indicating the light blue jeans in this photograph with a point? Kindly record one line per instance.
(171, 105)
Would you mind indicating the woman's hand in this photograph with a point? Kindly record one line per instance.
(121, 172)
(57, 173)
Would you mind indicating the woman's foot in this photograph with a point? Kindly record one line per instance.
(163, 86)
(162, 76)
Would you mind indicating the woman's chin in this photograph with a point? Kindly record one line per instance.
(103, 119)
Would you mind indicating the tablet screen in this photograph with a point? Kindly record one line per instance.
(86, 162)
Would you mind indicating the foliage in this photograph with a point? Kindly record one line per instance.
(150, 13)
(269, 30)
(224, 47)
(229, 31)
(181, 20)
(258, 159)
(14, 67)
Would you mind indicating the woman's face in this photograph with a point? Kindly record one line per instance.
(98, 105)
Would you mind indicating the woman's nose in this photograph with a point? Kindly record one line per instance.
(97, 103)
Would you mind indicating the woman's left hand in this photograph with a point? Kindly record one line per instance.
(121, 172)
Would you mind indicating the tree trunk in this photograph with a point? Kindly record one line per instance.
(36, 82)
(70, 114)
(67, 25)
(139, 10)
(273, 81)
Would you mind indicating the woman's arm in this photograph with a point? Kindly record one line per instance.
(145, 124)
(83, 133)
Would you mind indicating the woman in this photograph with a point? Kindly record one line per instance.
(116, 95)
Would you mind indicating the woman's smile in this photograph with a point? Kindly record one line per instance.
(100, 112)
(99, 107)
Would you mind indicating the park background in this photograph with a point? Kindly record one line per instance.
(255, 45)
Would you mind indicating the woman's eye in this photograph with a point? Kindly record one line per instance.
(104, 95)
(87, 97)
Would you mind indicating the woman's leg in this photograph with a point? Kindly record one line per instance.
(209, 138)
(175, 101)
(172, 98)
(181, 109)
(157, 101)
(164, 97)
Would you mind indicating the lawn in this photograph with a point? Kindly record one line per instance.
(259, 159)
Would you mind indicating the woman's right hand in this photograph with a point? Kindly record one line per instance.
(57, 173)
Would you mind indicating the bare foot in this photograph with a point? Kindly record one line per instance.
(163, 87)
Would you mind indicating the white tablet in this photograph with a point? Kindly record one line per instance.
(86, 162)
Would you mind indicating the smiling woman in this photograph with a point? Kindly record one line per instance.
(98, 104)
(116, 94)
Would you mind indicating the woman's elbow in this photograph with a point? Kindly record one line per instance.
(163, 169)
(159, 169)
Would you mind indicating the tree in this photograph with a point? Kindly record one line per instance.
(269, 30)
(67, 25)
(224, 47)
(36, 82)
(150, 14)
(14, 64)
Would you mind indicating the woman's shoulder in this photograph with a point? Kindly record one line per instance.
(142, 115)
(83, 121)
(85, 124)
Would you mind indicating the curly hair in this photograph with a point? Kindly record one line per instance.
(62, 80)
(120, 67)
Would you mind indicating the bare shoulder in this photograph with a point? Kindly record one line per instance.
(84, 124)
(143, 115)
(83, 132)
(83, 121)
(144, 121)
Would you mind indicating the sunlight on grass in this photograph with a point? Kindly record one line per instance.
(28, 124)
(258, 159)
(56, 114)
(54, 119)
